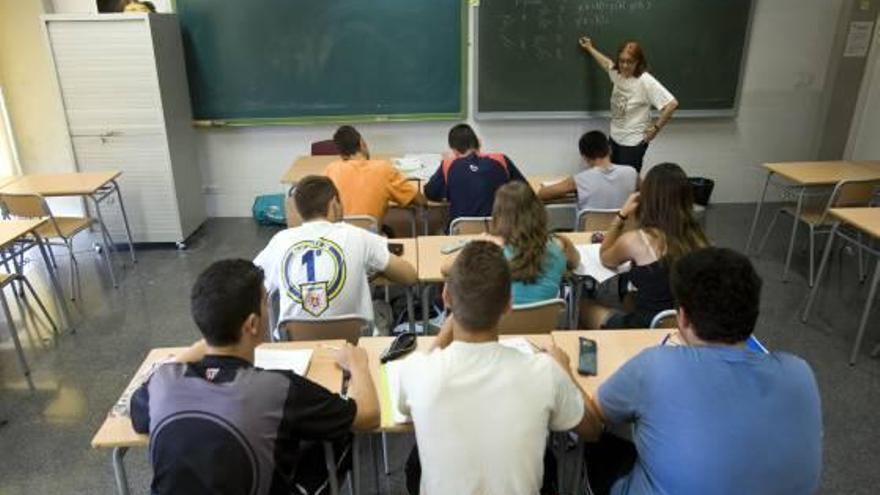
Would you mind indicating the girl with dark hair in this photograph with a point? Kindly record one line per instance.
(666, 231)
(635, 92)
(538, 259)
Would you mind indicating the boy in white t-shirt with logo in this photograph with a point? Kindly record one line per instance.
(320, 268)
(482, 410)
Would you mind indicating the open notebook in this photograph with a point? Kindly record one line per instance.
(389, 388)
(296, 360)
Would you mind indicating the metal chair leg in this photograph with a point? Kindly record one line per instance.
(385, 453)
(14, 334)
(767, 232)
(794, 226)
(39, 301)
(829, 246)
(108, 257)
(758, 207)
(118, 457)
(862, 274)
(330, 459)
(812, 252)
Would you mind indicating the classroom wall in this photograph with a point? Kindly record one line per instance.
(778, 120)
(779, 115)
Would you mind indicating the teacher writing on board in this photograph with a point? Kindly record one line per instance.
(635, 92)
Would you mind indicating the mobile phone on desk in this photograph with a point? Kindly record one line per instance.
(395, 248)
(587, 363)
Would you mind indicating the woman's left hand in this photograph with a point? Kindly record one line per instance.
(651, 133)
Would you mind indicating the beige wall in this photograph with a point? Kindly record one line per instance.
(32, 97)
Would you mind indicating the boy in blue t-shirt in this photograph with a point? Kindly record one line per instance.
(712, 416)
(468, 180)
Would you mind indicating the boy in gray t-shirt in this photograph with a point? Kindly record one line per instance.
(603, 185)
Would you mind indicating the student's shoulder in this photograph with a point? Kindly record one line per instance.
(792, 364)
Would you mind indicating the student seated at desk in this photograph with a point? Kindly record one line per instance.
(219, 425)
(366, 185)
(666, 231)
(321, 267)
(468, 179)
(603, 185)
(482, 410)
(711, 415)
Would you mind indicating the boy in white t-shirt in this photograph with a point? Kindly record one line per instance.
(482, 410)
(320, 268)
(603, 185)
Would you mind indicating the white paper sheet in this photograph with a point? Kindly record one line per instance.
(519, 343)
(392, 378)
(296, 360)
(591, 265)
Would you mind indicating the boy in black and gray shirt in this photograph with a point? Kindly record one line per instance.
(219, 425)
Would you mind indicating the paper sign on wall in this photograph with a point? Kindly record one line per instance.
(858, 40)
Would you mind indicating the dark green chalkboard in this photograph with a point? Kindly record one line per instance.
(529, 60)
(279, 61)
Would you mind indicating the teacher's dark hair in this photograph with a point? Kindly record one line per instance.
(634, 50)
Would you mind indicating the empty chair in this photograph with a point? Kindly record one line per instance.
(847, 193)
(469, 225)
(366, 222)
(57, 231)
(665, 319)
(539, 317)
(590, 220)
(346, 327)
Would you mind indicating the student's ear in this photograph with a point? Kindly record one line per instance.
(253, 326)
(684, 324)
(447, 297)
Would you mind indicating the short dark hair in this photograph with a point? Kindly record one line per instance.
(149, 5)
(594, 145)
(223, 297)
(347, 140)
(720, 293)
(479, 285)
(312, 196)
(463, 138)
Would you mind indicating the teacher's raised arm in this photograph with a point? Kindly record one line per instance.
(634, 93)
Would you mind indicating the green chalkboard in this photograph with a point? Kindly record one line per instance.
(279, 61)
(529, 60)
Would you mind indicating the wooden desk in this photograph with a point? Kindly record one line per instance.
(866, 220)
(117, 433)
(12, 231)
(96, 186)
(374, 347)
(613, 348)
(802, 176)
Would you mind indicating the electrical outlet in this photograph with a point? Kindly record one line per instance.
(211, 189)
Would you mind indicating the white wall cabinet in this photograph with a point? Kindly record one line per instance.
(123, 85)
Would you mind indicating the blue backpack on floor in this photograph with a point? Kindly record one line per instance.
(269, 209)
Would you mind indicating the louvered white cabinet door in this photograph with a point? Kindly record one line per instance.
(107, 75)
(146, 183)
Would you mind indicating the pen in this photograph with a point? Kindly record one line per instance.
(666, 339)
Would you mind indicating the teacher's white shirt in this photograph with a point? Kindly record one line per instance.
(631, 102)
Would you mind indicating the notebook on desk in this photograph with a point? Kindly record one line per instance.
(591, 264)
(295, 360)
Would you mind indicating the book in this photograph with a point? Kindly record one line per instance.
(296, 360)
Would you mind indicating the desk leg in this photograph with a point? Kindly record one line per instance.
(410, 308)
(829, 245)
(124, 220)
(109, 246)
(865, 314)
(330, 459)
(757, 213)
(59, 295)
(794, 227)
(426, 311)
(118, 457)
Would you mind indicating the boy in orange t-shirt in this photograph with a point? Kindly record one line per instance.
(367, 186)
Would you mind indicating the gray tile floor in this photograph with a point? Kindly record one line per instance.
(44, 447)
